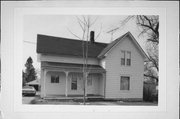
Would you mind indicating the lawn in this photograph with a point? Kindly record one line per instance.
(40, 101)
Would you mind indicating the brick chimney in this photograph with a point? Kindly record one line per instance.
(92, 37)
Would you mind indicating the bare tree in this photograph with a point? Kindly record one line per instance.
(85, 23)
(150, 27)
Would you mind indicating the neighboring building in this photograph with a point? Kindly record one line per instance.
(115, 69)
(35, 84)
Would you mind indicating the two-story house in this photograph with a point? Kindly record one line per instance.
(115, 70)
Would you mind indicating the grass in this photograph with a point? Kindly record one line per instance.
(40, 101)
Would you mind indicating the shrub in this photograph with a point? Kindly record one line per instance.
(149, 93)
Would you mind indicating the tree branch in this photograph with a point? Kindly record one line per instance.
(151, 76)
(99, 32)
(74, 34)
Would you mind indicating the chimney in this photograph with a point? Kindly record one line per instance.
(92, 36)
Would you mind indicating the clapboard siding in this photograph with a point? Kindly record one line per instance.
(115, 70)
(55, 88)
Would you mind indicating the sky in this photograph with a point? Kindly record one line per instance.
(61, 25)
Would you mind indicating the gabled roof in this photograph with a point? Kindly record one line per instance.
(113, 44)
(72, 47)
(65, 46)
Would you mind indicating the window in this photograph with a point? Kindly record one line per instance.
(128, 60)
(125, 83)
(89, 81)
(74, 83)
(122, 57)
(125, 58)
(54, 79)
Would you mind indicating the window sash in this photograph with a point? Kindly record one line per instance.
(54, 79)
(125, 83)
(122, 61)
(123, 58)
(128, 60)
(74, 83)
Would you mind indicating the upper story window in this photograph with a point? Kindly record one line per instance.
(54, 79)
(122, 57)
(128, 59)
(125, 58)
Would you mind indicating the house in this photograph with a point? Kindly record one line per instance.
(115, 70)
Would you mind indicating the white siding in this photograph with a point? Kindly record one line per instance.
(55, 88)
(65, 59)
(48, 88)
(115, 70)
(103, 63)
(95, 88)
(79, 90)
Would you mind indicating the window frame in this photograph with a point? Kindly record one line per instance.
(74, 82)
(123, 57)
(124, 89)
(56, 79)
(128, 63)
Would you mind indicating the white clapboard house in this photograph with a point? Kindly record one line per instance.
(115, 70)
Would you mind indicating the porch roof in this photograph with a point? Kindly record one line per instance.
(71, 66)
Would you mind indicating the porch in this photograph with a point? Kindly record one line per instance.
(68, 81)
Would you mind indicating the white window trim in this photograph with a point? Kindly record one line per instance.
(126, 51)
(76, 84)
(55, 82)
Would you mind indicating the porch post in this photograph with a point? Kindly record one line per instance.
(42, 82)
(86, 78)
(45, 83)
(104, 82)
(66, 90)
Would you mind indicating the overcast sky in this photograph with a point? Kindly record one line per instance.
(58, 25)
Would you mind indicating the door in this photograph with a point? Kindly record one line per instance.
(90, 84)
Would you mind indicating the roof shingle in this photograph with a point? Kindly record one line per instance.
(64, 46)
(72, 47)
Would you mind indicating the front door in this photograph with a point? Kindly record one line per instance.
(90, 84)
